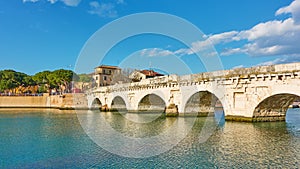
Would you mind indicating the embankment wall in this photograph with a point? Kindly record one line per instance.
(66, 101)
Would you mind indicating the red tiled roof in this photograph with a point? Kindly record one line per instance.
(108, 67)
(150, 73)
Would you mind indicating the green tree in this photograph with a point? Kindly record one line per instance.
(61, 79)
(85, 78)
(28, 81)
(84, 82)
(47, 80)
(10, 79)
(42, 79)
(6, 85)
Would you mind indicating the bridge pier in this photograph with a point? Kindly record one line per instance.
(255, 119)
(172, 110)
(269, 110)
(199, 111)
(105, 108)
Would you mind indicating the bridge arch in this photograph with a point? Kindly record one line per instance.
(162, 94)
(274, 107)
(202, 102)
(152, 102)
(96, 104)
(118, 103)
(218, 93)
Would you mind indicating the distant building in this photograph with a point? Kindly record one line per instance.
(104, 74)
(137, 76)
(86, 84)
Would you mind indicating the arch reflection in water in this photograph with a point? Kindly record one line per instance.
(143, 117)
(260, 145)
(205, 104)
(124, 124)
(134, 140)
(234, 145)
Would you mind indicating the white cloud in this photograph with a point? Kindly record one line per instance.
(271, 29)
(223, 37)
(238, 67)
(269, 38)
(198, 46)
(207, 43)
(30, 1)
(66, 2)
(230, 51)
(71, 2)
(100, 9)
(103, 9)
(52, 1)
(155, 52)
(272, 38)
(282, 60)
(120, 1)
(94, 4)
(293, 8)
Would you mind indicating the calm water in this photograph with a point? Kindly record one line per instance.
(48, 138)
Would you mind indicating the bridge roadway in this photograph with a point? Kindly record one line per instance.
(246, 94)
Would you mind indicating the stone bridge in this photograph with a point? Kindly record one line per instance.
(246, 94)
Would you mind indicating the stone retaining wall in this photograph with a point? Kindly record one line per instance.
(66, 101)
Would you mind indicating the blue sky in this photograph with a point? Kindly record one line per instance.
(41, 35)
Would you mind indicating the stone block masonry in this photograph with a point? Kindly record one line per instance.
(66, 101)
(254, 94)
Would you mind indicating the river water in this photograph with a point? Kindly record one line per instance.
(55, 139)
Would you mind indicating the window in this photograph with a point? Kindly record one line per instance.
(96, 77)
(104, 77)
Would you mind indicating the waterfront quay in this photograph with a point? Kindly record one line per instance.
(65, 101)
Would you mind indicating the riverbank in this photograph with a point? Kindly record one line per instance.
(63, 102)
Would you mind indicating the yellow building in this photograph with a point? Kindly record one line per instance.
(104, 75)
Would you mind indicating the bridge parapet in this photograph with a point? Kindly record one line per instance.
(244, 73)
(225, 77)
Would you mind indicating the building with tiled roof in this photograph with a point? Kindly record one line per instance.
(104, 74)
(143, 74)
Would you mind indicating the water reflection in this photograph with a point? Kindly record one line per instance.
(38, 140)
(238, 145)
(144, 117)
(259, 144)
(121, 136)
